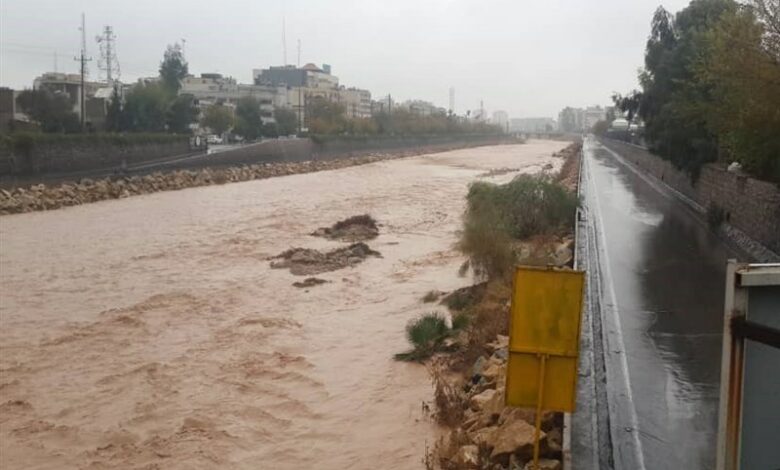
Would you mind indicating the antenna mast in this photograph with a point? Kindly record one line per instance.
(108, 61)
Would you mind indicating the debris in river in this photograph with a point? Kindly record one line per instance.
(306, 261)
(353, 229)
(310, 282)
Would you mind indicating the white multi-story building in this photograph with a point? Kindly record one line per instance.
(422, 108)
(594, 114)
(301, 84)
(211, 88)
(68, 84)
(356, 102)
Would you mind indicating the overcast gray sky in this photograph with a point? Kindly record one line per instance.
(530, 58)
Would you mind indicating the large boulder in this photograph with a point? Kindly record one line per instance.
(483, 436)
(492, 372)
(477, 402)
(515, 437)
(492, 408)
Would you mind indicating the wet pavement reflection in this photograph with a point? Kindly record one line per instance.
(668, 272)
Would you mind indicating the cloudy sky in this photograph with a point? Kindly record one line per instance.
(530, 58)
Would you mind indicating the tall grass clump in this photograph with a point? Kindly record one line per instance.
(499, 215)
(425, 334)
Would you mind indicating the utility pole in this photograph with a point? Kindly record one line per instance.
(300, 109)
(299, 53)
(83, 59)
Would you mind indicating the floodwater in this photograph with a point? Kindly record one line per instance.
(668, 273)
(150, 332)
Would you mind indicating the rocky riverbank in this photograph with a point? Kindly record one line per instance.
(469, 372)
(42, 197)
(39, 197)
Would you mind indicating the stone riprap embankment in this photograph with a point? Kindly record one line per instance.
(42, 197)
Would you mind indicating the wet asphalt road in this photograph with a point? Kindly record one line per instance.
(663, 272)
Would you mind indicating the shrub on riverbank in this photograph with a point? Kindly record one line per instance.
(498, 215)
(427, 333)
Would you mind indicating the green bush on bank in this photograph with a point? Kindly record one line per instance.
(22, 143)
(498, 215)
(426, 334)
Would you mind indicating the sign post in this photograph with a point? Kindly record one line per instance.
(544, 337)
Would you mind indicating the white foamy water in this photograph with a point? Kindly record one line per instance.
(150, 332)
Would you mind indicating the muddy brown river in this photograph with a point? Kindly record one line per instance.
(150, 332)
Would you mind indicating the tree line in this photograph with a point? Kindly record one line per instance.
(324, 117)
(710, 87)
(158, 106)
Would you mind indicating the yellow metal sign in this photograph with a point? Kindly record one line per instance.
(544, 335)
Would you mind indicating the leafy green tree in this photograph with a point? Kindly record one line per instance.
(671, 101)
(287, 121)
(217, 118)
(249, 123)
(52, 111)
(324, 116)
(173, 68)
(270, 129)
(741, 67)
(181, 113)
(629, 104)
(146, 108)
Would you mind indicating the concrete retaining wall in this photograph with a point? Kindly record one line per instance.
(296, 150)
(84, 155)
(750, 205)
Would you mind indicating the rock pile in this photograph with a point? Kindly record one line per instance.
(41, 197)
(492, 435)
(307, 261)
(353, 229)
(309, 282)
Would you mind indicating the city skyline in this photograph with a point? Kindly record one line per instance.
(408, 50)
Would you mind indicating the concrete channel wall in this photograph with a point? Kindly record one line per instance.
(296, 150)
(69, 160)
(752, 206)
(84, 154)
